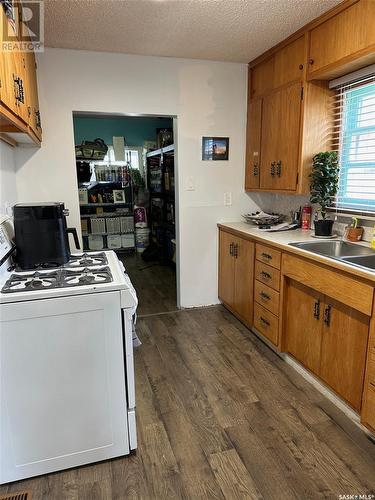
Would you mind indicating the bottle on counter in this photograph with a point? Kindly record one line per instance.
(306, 217)
(373, 239)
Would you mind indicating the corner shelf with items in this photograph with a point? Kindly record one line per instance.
(106, 205)
(160, 181)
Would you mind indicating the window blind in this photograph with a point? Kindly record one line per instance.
(354, 140)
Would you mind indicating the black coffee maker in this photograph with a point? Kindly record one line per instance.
(41, 235)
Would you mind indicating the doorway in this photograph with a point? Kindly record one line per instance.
(127, 189)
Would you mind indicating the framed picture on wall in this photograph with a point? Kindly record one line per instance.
(215, 148)
(118, 196)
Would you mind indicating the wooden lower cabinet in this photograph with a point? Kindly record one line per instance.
(302, 326)
(344, 349)
(329, 338)
(226, 268)
(236, 274)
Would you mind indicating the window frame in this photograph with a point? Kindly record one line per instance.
(349, 127)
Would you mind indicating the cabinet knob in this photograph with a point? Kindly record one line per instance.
(311, 61)
(300, 66)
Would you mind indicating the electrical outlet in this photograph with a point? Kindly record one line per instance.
(228, 198)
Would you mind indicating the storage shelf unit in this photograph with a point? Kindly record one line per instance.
(111, 210)
(160, 177)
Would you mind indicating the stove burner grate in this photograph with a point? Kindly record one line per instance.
(57, 279)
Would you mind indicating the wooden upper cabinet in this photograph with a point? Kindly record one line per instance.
(262, 78)
(32, 95)
(344, 349)
(344, 42)
(8, 71)
(253, 144)
(19, 108)
(283, 67)
(271, 132)
(280, 139)
(289, 62)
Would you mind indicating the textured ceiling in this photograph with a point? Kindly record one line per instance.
(222, 30)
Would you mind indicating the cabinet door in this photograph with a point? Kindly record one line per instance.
(289, 62)
(253, 137)
(344, 347)
(226, 268)
(343, 35)
(244, 279)
(289, 116)
(8, 71)
(262, 78)
(32, 95)
(271, 130)
(303, 326)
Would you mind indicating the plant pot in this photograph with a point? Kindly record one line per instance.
(354, 233)
(323, 227)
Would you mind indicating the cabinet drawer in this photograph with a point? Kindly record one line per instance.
(266, 323)
(267, 297)
(267, 275)
(268, 255)
(332, 283)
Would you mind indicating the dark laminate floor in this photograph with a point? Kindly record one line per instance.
(221, 416)
(155, 284)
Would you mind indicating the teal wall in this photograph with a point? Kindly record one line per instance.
(135, 129)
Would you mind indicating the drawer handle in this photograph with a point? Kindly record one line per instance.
(317, 309)
(265, 275)
(265, 296)
(327, 315)
(272, 169)
(264, 321)
(266, 255)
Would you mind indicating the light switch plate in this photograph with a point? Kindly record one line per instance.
(228, 198)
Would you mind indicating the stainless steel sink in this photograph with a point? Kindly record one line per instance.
(350, 253)
(335, 249)
(366, 261)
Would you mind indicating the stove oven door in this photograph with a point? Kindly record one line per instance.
(63, 391)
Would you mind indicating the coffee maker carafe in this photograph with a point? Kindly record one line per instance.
(41, 235)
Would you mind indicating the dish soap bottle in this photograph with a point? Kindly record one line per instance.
(373, 239)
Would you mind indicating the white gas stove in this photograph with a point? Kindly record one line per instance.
(67, 395)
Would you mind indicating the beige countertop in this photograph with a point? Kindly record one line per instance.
(283, 238)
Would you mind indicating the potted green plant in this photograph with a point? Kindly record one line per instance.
(324, 181)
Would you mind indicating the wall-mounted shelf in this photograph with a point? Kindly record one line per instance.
(104, 204)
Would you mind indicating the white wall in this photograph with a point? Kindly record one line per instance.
(208, 98)
(8, 190)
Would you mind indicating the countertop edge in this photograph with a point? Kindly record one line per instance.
(252, 236)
